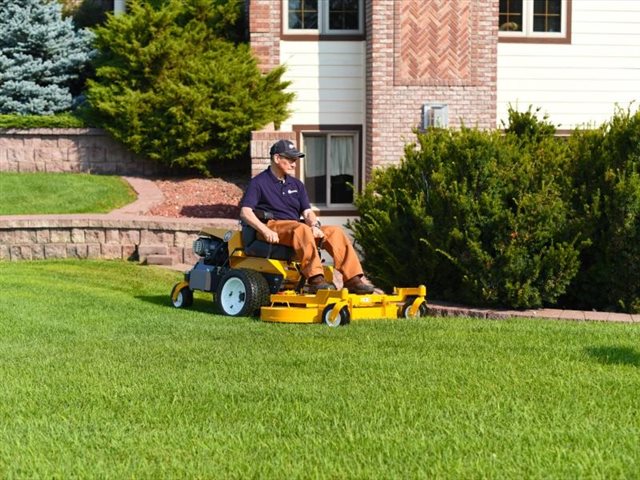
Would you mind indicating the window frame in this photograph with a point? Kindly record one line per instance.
(322, 32)
(327, 131)
(527, 35)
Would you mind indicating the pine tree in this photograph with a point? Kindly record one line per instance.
(41, 55)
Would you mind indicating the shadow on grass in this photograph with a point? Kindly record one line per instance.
(199, 305)
(615, 355)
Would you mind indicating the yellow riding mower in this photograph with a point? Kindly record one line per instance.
(248, 277)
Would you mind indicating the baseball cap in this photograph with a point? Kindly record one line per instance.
(285, 148)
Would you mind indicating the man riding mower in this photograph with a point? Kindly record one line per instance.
(249, 277)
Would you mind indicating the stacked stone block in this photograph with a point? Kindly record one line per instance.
(44, 238)
(88, 150)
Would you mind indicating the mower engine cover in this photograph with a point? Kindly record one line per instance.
(213, 250)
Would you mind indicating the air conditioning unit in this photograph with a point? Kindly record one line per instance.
(435, 115)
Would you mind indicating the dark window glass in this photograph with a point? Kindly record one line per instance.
(303, 14)
(547, 15)
(343, 15)
(329, 166)
(510, 15)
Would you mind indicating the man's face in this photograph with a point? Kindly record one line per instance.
(288, 165)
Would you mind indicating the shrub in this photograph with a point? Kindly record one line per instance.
(59, 120)
(86, 13)
(479, 217)
(41, 56)
(172, 87)
(606, 182)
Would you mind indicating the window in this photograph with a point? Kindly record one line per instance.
(330, 167)
(324, 17)
(537, 20)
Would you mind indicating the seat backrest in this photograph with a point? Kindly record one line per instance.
(259, 248)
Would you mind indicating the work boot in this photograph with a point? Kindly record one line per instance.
(357, 286)
(318, 282)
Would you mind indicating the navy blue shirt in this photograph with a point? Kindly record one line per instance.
(285, 200)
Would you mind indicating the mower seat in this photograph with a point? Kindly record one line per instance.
(259, 248)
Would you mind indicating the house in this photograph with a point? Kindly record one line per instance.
(366, 73)
(575, 59)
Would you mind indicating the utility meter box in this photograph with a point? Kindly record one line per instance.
(435, 115)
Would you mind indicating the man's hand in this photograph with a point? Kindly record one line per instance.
(317, 232)
(270, 236)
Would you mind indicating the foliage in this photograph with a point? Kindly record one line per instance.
(59, 120)
(606, 182)
(172, 87)
(479, 217)
(61, 193)
(41, 57)
(102, 378)
(86, 13)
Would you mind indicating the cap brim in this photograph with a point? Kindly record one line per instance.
(292, 154)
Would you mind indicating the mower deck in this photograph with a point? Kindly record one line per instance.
(336, 307)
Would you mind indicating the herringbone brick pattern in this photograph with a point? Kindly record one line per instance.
(434, 41)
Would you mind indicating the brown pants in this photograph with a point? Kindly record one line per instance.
(299, 236)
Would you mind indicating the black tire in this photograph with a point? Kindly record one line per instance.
(342, 319)
(422, 309)
(241, 293)
(183, 298)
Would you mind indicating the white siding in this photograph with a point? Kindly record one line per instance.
(580, 83)
(328, 79)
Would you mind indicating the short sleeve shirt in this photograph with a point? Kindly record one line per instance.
(284, 199)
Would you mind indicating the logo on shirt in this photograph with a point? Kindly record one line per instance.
(292, 191)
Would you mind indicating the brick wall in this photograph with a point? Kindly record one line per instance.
(264, 30)
(38, 238)
(421, 51)
(69, 150)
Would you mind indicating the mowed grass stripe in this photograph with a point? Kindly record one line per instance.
(103, 378)
(61, 193)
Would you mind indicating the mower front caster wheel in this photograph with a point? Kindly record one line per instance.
(181, 296)
(406, 309)
(342, 318)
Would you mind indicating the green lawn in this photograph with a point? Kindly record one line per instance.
(102, 378)
(43, 193)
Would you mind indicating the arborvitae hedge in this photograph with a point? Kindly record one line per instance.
(606, 180)
(479, 217)
(171, 86)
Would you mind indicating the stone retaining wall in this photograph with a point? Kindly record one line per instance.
(89, 150)
(51, 237)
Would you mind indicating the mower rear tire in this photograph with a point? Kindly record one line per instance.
(183, 298)
(241, 293)
(406, 309)
(343, 317)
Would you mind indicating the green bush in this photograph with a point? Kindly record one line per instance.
(477, 216)
(606, 182)
(86, 13)
(60, 120)
(171, 86)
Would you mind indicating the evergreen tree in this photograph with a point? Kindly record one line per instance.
(41, 55)
(172, 85)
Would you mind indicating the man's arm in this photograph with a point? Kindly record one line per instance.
(248, 217)
(311, 219)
